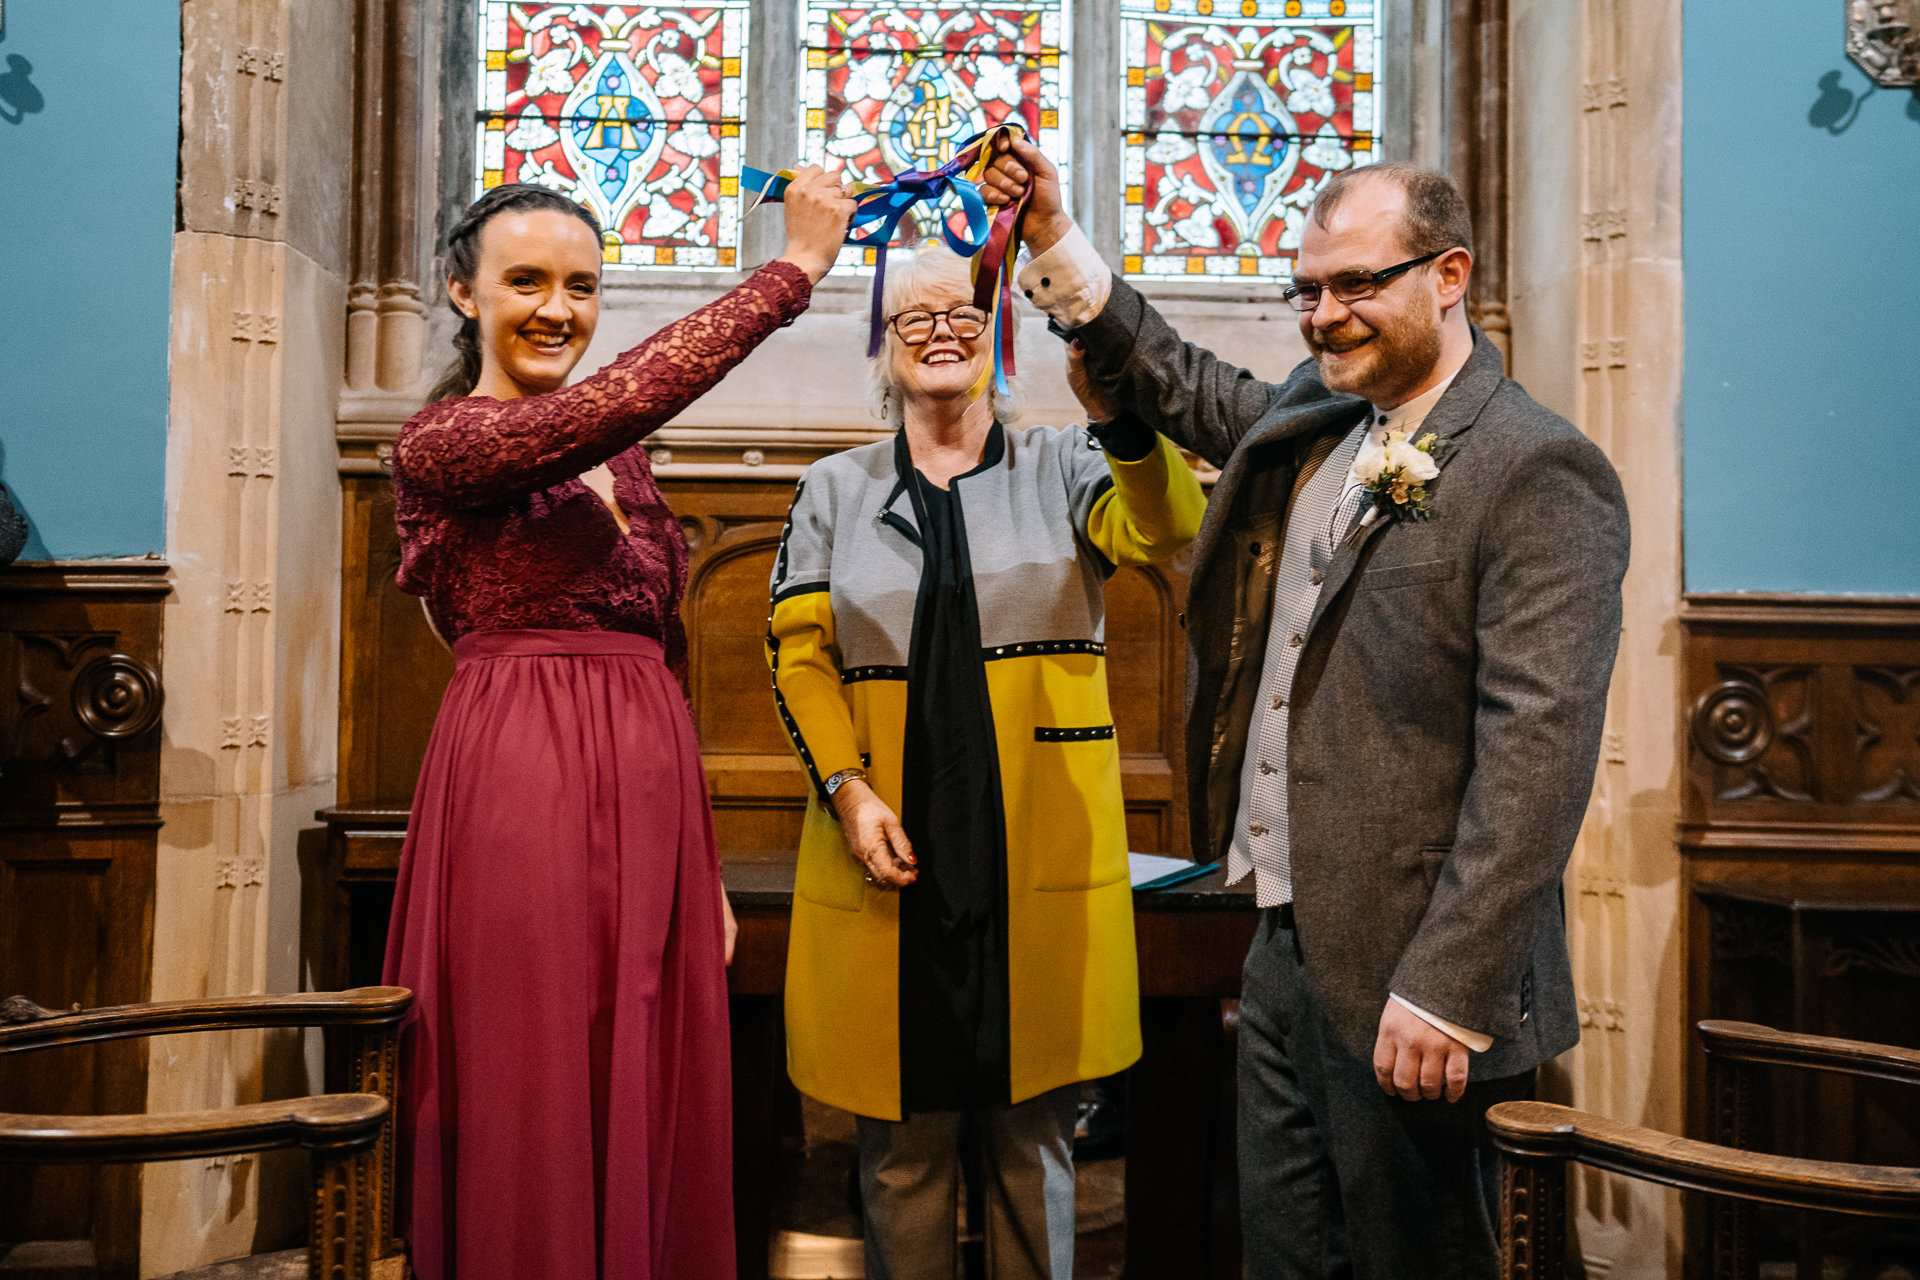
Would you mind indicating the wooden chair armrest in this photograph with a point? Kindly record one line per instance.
(1542, 1131)
(1750, 1042)
(330, 1122)
(360, 1007)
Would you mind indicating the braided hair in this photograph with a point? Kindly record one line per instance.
(463, 254)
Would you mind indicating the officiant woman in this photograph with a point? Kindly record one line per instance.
(962, 946)
(564, 1099)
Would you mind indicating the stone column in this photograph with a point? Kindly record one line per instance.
(251, 632)
(1476, 108)
(1597, 336)
(387, 190)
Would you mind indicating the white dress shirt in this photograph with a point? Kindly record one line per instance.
(1070, 282)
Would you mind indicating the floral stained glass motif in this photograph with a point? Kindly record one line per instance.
(1236, 113)
(634, 111)
(887, 90)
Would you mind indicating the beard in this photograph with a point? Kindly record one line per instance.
(1398, 358)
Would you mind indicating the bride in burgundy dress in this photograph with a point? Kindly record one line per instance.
(564, 1084)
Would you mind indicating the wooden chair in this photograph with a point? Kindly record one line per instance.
(1538, 1138)
(349, 1134)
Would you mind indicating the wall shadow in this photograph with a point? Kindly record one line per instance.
(1837, 107)
(19, 96)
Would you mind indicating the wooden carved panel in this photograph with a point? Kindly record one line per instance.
(80, 704)
(1887, 735)
(1800, 853)
(1755, 725)
(1803, 722)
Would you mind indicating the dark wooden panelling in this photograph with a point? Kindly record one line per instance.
(79, 822)
(394, 670)
(1800, 850)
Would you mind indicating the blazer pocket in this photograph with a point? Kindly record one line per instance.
(1432, 858)
(1073, 839)
(1407, 575)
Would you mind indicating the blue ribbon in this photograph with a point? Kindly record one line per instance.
(879, 210)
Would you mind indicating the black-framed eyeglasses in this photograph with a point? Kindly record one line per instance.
(1304, 295)
(916, 327)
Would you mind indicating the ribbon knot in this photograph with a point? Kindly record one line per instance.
(991, 241)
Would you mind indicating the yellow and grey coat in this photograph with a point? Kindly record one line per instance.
(1046, 526)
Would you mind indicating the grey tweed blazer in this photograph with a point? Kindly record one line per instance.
(1447, 707)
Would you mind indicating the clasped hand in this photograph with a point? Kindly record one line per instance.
(874, 836)
(818, 209)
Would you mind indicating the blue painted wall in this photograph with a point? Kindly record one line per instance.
(1802, 260)
(89, 139)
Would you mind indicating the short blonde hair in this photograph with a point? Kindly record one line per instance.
(931, 268)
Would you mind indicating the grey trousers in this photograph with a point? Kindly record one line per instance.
(910, 1179)
(1339, 1181)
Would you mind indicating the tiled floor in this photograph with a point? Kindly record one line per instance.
(817, 1231)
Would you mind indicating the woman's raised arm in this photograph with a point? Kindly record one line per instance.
(477, 452)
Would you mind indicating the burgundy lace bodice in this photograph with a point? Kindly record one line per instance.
(497, 531)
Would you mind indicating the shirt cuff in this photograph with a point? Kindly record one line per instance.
(1474, 1040)
(1070, 281)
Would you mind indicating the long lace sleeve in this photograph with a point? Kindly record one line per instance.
(478, 452)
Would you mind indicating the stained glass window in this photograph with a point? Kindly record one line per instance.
(886, 90)
(633, 110)
(1235, 113)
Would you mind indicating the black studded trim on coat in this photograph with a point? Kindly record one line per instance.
(1093, 733)
(793, 727)
(1030, 648)
(854, 675)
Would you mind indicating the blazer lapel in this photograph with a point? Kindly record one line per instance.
(1458, 410)
(1293, 423)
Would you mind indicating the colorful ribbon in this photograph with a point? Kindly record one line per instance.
(991, 240)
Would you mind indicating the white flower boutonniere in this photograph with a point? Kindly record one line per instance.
(1398, 477)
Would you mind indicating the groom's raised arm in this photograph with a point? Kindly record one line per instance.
(1132, 354)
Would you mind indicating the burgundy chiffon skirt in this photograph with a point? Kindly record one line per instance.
(565, 1107)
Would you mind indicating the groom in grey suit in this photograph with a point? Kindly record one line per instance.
(1395, 698)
